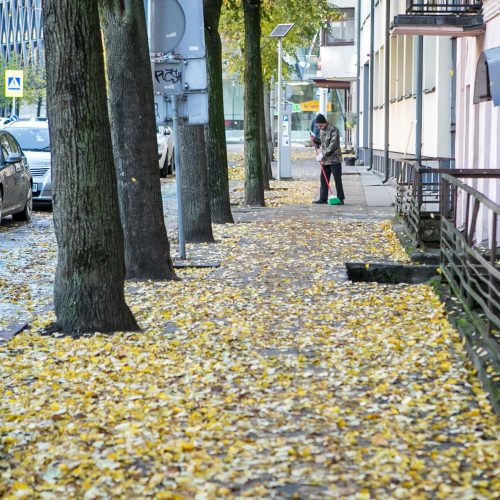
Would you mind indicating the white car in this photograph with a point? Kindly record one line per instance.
(165, 139)
(33, 137)
(3, 121)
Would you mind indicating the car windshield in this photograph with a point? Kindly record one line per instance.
(32, 139)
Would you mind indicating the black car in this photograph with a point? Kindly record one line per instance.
(16, 196)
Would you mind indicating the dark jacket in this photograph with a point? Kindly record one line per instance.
(330, 145)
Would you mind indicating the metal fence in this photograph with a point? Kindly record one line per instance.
(455, 7)
(419, 197)
(417, 201)
(470, 256)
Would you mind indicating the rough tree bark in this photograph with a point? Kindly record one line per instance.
(194, 188)
(89, 280)
(215, 134)
(254, 186)
(131, 110)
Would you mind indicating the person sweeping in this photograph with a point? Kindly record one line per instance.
(330, 159)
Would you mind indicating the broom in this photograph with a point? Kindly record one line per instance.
(332, 200)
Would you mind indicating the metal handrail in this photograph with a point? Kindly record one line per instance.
(470, 263)
(471, 267)
(453, 7)
(419, 198)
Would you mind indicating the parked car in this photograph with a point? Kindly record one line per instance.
(16, 196)
(166, 159)
(33, 137)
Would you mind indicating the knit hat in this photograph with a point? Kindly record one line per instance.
(320, 118)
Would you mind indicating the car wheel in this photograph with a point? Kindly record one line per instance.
(27, 210)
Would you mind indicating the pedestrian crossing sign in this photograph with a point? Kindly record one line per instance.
(13, 83)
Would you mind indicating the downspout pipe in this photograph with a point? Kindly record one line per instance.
(358, 75)
(418, 104)
(387, 54)
(453, 100)
(372, 73)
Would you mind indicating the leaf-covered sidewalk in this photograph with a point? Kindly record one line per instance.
(270, 376)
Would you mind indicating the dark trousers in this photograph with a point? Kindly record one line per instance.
(336, 170)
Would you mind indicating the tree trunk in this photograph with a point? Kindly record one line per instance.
(194, 188)
(39, 106)
(254, 185)
(215, 134)
(133, 131)
(89, 280)
(269, 134)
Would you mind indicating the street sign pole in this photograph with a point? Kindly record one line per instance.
(14, 86)
(178, 65)
(178, 170)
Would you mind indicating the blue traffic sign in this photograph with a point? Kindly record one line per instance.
(13, 83)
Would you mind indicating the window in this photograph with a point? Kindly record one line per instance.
(340, 32)
(4, 143)
(14, 147)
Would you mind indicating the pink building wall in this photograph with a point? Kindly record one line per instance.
(478, 125)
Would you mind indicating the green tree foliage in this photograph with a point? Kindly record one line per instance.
(307, 16)
(33, 78)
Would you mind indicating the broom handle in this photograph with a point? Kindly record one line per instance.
(326, 179)
(323, 171)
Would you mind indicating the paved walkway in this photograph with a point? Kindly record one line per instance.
(366, 195)
(271, 376)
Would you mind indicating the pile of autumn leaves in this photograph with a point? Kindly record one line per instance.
(270, 376)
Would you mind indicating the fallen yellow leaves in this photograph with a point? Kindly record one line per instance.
(271, 376)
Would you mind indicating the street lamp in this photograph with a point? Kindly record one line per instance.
(280, 32)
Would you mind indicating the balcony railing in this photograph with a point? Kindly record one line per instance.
(440, 7)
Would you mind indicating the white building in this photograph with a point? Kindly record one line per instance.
(337, 70)
(413, 114)
(478, 107)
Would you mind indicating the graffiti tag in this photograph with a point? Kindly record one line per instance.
(168, 75)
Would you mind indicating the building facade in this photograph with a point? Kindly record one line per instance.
(430, 91)
(407, 82)
(478, 112)
(21, 31)
(336, 74)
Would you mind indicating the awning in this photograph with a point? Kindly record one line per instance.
(332, 84)
(438, 25)
(487, 82)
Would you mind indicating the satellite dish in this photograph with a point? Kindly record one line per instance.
(169, 25)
